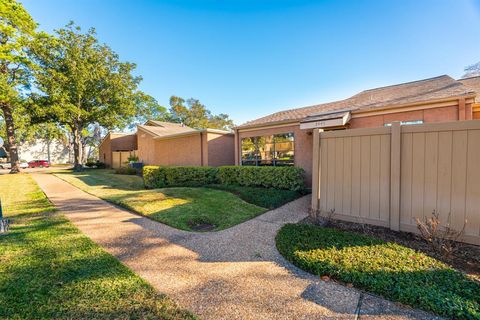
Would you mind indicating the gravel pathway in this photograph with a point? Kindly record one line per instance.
(231, 274)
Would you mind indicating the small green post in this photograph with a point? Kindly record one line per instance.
(4, 223)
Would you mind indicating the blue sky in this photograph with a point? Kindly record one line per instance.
(252, 58)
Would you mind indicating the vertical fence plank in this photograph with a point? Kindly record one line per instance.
(406, 178)
(431, 172)
(356, 179)
(347, 176)
(443, 206)
(316, 171)
(459, 178)
(365, 176)
(418, 176)
(385, 179)
(473, 185)
(331, 174)
(324, 175)
(338, 205)
(395, 165)
(374, 212)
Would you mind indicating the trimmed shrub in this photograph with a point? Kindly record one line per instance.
(159, 177)
(154, 177)
(289, 178)
(190, 176)
(89, 164)
(97, 164)
(100, 165)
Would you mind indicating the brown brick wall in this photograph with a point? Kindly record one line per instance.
(194, 150)
(116, 142)
(181, 151)
(221, 149)
(442, 114)
(105, 152)
(146, 147)
(124, 142)
(476, 111)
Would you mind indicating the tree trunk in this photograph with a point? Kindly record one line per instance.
(12, 145)
(77, 150)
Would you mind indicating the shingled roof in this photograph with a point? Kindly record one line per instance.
(473, 84)
(161, 129)
(384, 97)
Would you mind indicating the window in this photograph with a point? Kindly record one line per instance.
(272, 150)
(405, 123)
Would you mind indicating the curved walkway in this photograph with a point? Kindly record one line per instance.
(231, 274)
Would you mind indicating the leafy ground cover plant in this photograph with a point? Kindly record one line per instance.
(385, 268)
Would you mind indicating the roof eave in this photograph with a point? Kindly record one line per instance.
(412, 104)
(269, 124)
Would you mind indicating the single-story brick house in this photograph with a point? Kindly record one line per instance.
(170, 144)
(116, 142)
(165, 143)
(285, 137)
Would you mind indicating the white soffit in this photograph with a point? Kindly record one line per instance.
(326, 120)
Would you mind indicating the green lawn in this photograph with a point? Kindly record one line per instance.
(182, 208)
(50, 270)
(388, 269)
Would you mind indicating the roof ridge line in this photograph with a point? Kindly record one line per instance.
(404, 83)
(468, 78)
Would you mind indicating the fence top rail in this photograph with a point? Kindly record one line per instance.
(443, 126)
(356, 132)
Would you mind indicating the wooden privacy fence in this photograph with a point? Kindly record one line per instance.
(120, 158)
(390, 176)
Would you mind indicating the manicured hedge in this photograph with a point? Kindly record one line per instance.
(288, 178)
(160, 177)
(388, 269)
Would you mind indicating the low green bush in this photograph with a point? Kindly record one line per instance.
(268, 198)
(126, 170)
(90, 164)
(388, 269)
(289, 178)
(159, 177)
(100, 165)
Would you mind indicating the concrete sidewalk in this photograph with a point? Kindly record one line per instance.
(231, 274)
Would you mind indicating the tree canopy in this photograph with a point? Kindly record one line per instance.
(472, 70)
(194, 114)
(82, 83)
(16, 31)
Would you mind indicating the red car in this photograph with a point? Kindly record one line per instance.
(38, 164)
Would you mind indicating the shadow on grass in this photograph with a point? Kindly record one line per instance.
(56, 272)
(106, 179)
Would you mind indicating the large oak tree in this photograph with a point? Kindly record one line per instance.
(194, 114)
(16, 31)
(83, 83)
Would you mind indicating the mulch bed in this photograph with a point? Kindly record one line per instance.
(466, 258)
